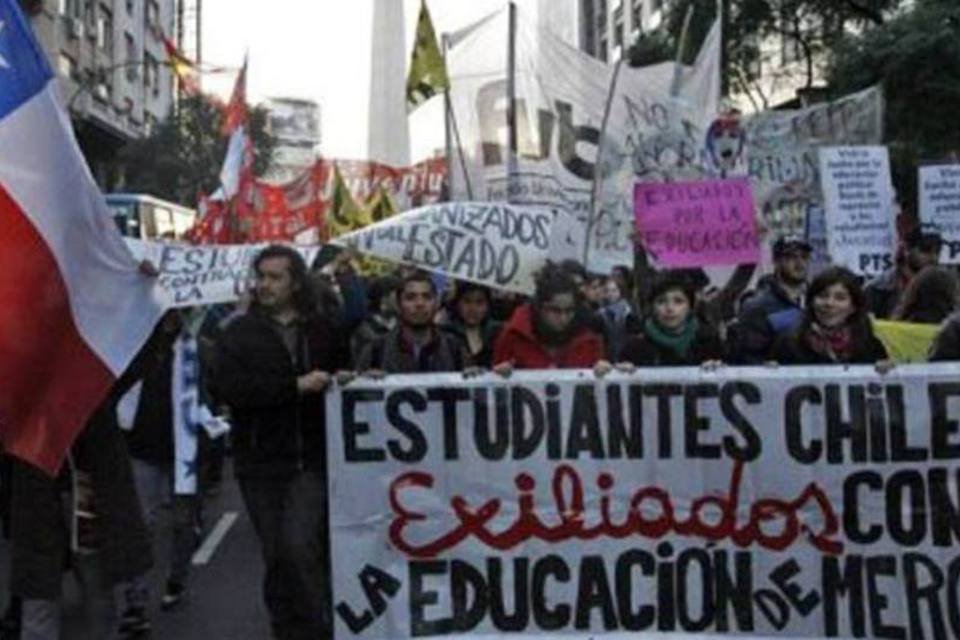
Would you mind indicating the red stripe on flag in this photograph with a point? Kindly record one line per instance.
(51, 380)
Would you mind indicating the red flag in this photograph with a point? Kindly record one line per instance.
(235, 114)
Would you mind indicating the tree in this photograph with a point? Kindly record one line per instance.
(184, 154)
(916, 56)
(808, 29)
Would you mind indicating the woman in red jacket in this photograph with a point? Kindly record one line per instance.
(550, 332)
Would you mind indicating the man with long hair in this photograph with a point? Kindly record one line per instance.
(275, 363)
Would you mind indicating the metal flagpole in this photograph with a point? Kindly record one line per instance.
(512, 154)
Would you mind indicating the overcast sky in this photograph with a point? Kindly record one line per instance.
(316, 49)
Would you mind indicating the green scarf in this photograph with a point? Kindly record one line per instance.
(679, 343)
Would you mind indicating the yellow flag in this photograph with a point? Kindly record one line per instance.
(345, 214)
(906, 342)
(428, 72)
(378, 208)
(382, 206)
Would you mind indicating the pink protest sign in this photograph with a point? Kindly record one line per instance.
(697, 224)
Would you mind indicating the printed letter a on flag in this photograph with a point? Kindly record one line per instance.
(428, 72)
(75, 308)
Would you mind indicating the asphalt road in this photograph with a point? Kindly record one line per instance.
(224, 600)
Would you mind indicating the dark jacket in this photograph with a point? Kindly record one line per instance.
(151, 437)
(276, 431)
(946, 346)
(40, 532)
(392, 353)
(644, 352)
(519, 343)
(619, 321)
(368, 331)
(794, 349)
(488, 335)
(883, 293)
(769, 314)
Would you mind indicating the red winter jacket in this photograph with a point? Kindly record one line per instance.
(518, 343)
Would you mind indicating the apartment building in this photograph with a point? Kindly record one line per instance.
(109, 59)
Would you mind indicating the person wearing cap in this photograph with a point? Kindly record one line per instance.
(776, 308)
(921, 248)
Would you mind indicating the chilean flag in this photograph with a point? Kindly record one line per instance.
(74, 309)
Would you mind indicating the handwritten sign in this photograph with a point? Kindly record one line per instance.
(495, 244)
(940, 206)
(199, 275)
(858, 196)
(697, 224)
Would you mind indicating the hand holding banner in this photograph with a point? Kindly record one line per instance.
(697, 224)
(198, 275)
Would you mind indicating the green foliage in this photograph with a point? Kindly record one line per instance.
(811, 26)
(916, 56)
(184, 154)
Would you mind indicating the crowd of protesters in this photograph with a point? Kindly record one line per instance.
(268, 362)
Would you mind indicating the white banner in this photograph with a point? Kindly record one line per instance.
(561, 95)
(199, 275)
(490, 243)
(806, 502)
(940, 206)
(859, 199)
(652, 137)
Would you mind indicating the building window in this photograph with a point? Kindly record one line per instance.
(618, 27)
(105, 29)
(149, 124)
(637, 14)
(602, 50)
(70, 8)
(131, 59)
(151, 73)
(151, 18)
(67, 66)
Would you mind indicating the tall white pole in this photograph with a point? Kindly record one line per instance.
(388, 134)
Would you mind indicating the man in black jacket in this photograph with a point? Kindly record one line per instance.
(776, 308)
(275, 363)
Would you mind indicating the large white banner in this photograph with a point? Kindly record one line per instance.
(858, 198)
(939, 187)
(199, 275)
(490, 243)
(652, 137)
(816, 502)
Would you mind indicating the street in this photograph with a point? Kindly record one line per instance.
(224, 600)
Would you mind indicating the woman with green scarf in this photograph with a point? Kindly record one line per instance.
(672, 336)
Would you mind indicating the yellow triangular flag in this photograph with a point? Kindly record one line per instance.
(345, 214)
(428, 72)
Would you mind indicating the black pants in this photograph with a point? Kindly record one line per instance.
(289, 516)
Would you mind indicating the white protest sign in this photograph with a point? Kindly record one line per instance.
(858, 200)
(207, 274)
(814, 502)
(940, 206)
(490, 243)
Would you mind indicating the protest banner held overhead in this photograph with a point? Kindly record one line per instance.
(201, 275)
(697, 224)
(859, 199)
(556, 503)
(490, 243)
(776, 150)
(939, 187)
